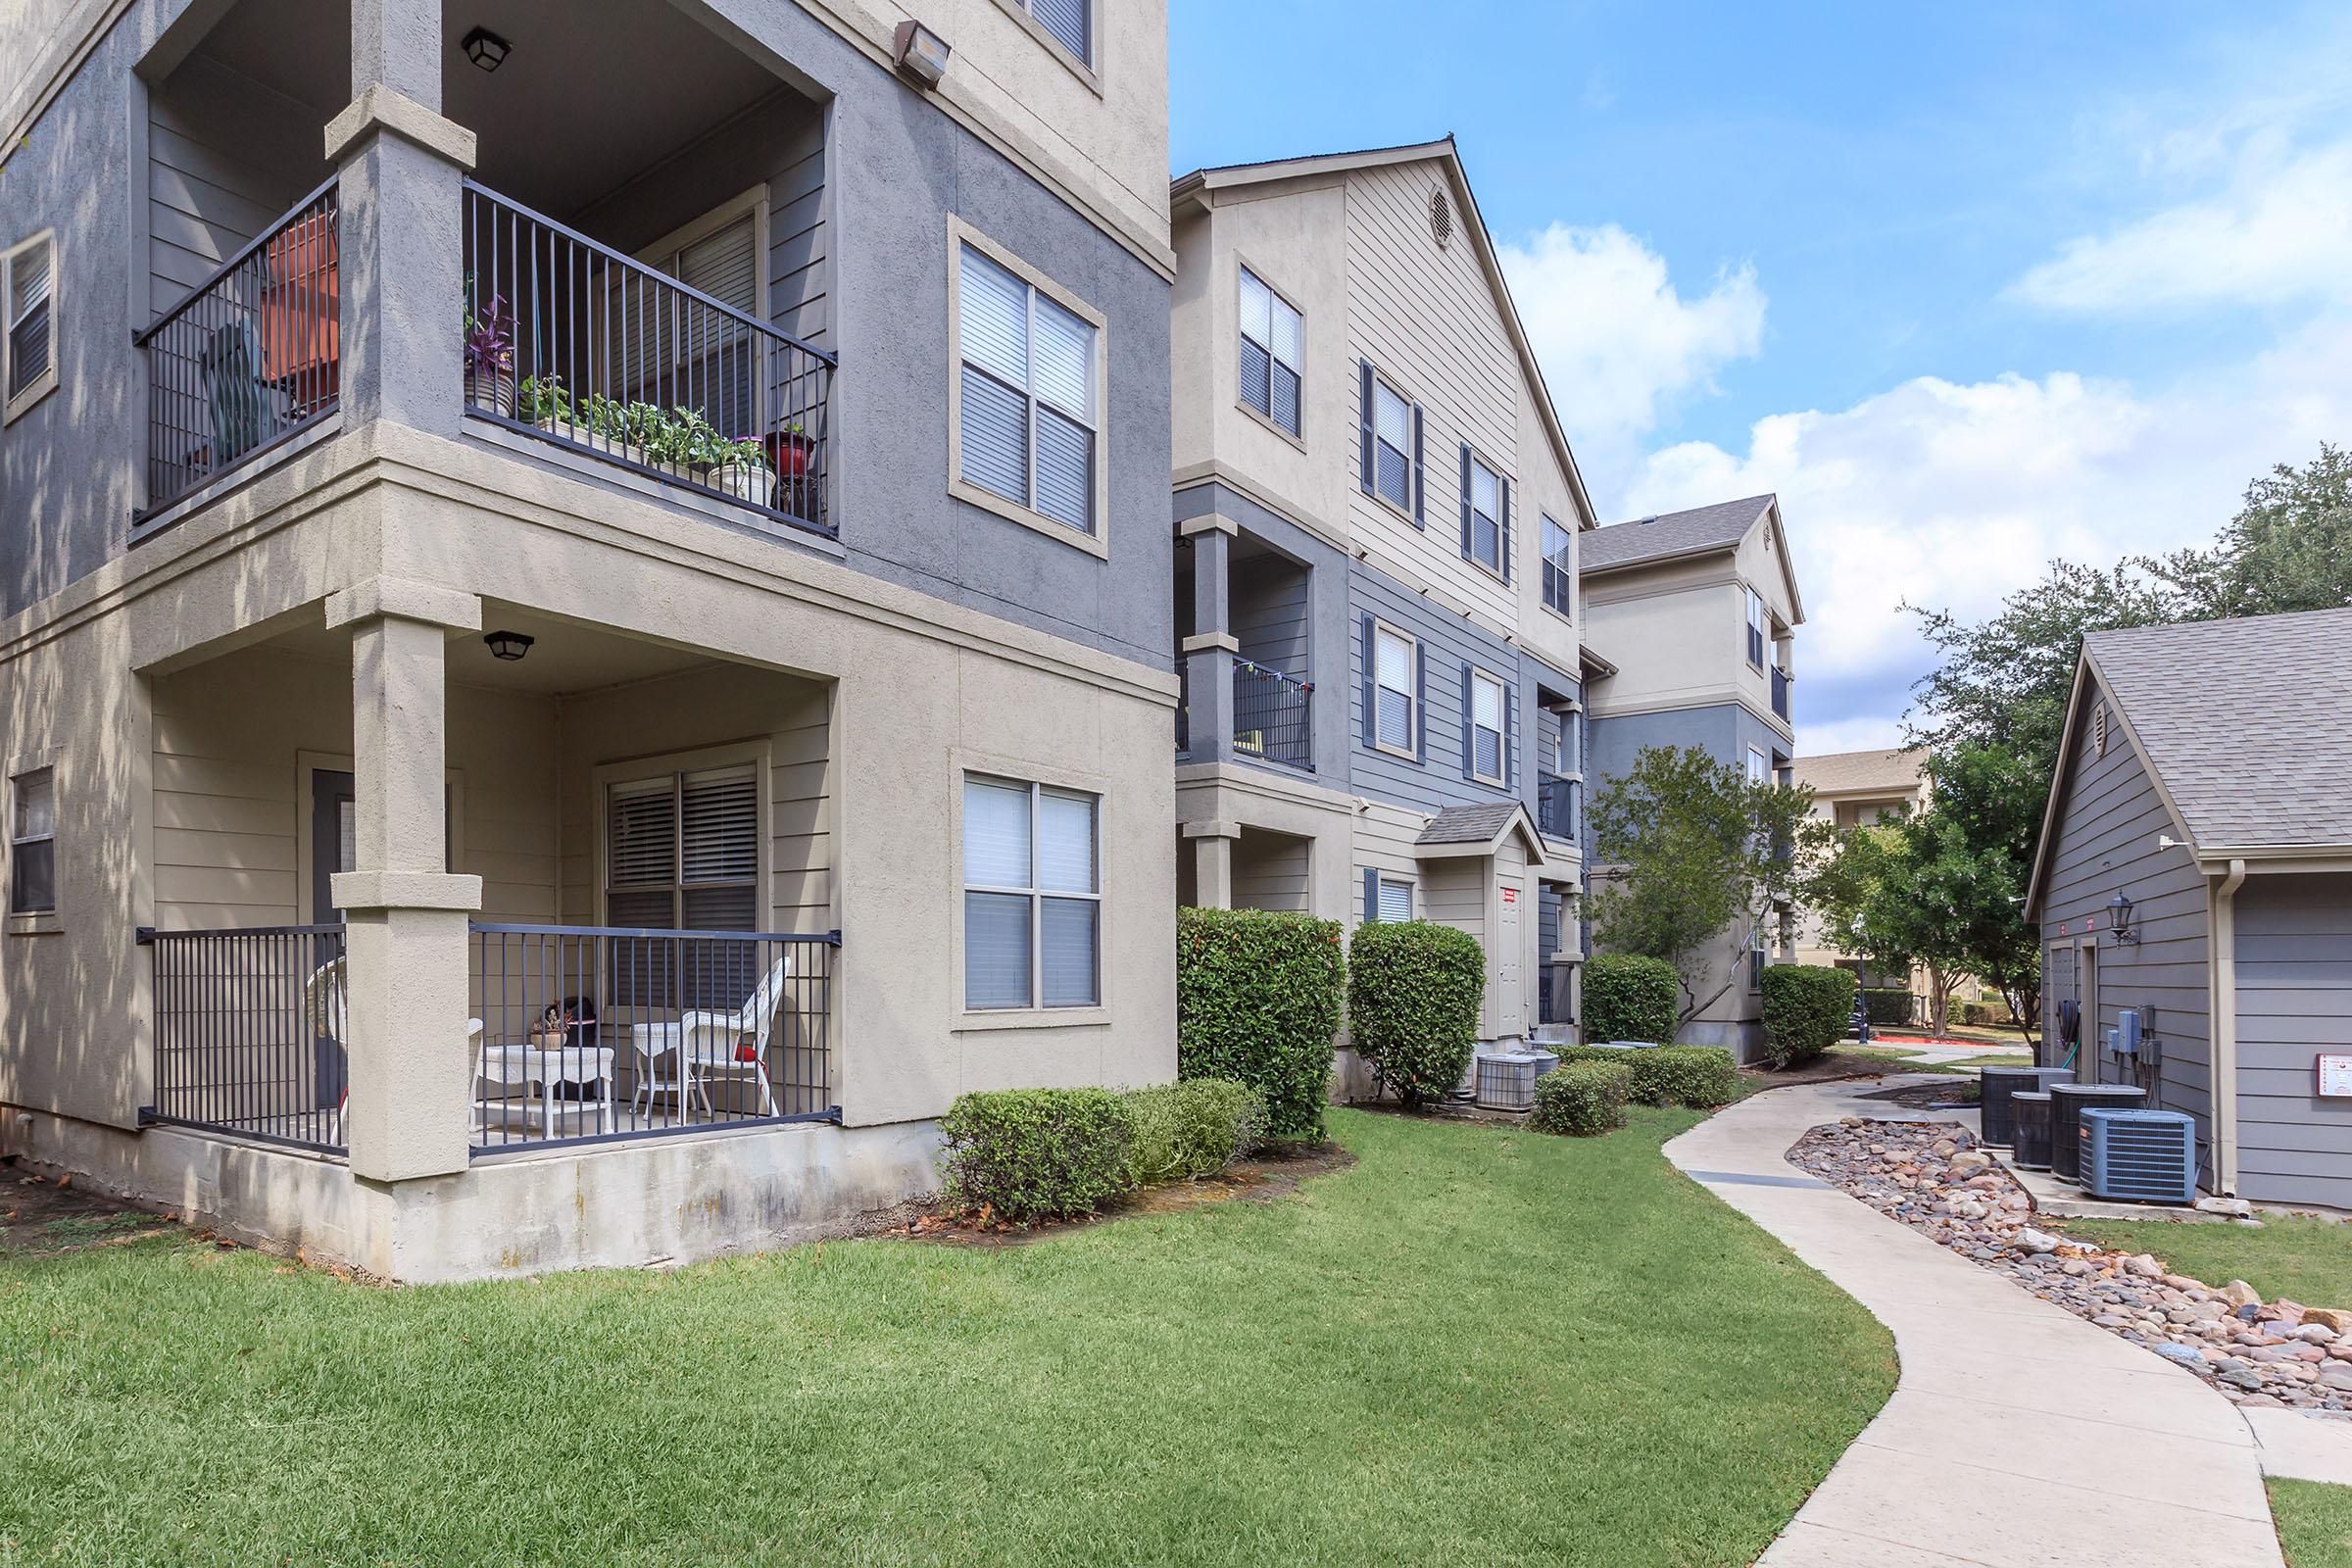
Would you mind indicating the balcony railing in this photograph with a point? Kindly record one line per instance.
(602, 1032)
(251, 357)
(1273, 715)
(574, 343)
(1557, 803)
(249, 1032)
(1780, 692)
(1184, 706)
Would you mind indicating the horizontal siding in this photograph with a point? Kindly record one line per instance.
(226, 159)
(2294, 1002)
(1448, 641)
(1268, 605)
(1270, 872)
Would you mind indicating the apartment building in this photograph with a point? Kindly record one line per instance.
(1856, 789)
(1377, 519)
(1689, 621)
(584, 628)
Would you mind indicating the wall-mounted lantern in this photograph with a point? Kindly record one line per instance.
(2118, 918)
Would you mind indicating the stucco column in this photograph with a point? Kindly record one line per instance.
(405, 915)
(1212, 862)
(400, 197)
(1209, 647)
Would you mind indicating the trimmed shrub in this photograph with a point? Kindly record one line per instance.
(1257, 1003)
(1413, 995)
(1886, 1007)
(1026, 1154)
(1807, 1009)
(1582, 1097)
(1631, 997)
(1191, 1129)
(1702, 1077)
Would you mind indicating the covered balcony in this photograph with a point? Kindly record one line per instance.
(1250, 606)
(642, 249)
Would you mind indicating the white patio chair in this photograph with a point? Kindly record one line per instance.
(326, 1007)
(703, 1042)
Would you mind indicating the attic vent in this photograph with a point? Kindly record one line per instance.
(1441, 218)
(2098, 730)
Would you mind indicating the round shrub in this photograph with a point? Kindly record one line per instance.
(1026, 1154)
(1702, 1077)
(1807, 1009)
(1257, 1003)
(1582, 1098)
(1191, 1129)
(1414, 989)
(1631, 997)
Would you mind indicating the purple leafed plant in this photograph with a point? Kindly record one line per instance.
(490, 339)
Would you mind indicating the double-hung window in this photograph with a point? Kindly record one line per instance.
(1482, 533)
(1559, 569)
(27, 323)
(1755, 766)
(1028, 393)
(1391, 447)
(1393, 900)
(1393, 690)
(1032, 896)
(1486, 721)
(1759, 624)
(33, 842)
(683, 851)
(1273, 353)
(1070, 22)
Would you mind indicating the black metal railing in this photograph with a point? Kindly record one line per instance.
(575, 343)
(1184, 704)
(250, 358)
(249, 1032)
(1273, 715)
(1557, 803)
(602, 1032)
(1551, 1002)
(1780, 692)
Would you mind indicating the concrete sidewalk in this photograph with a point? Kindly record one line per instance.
(2019, 1436)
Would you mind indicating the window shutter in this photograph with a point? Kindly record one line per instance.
(1469, 731)
(1465, 501)
(1510, 736)
(1363, 368)
(1505, 485)
(1420, 479)
(1371, 696)
(1371, 895)
(1420, 704)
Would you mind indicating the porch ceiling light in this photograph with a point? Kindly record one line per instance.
(489, 51)
(919, 52)
(509, 646)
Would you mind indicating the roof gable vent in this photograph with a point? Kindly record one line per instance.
(1441, 218)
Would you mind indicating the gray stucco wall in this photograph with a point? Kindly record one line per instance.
(1722, 731)
(2106, 843)
(2295, 1001)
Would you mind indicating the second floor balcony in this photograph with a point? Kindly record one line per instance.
(1780, 692)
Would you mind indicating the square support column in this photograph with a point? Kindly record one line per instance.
(1212, 862)
(405, 914)
(1209, 648)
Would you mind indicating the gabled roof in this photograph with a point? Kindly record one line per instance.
(1681, 535)
(1895, 771)
(2245, 726)
(1201, 183)
(1478, 829)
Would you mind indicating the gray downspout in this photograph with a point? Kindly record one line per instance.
(2225, 1029)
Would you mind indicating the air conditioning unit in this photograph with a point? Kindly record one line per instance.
(2148, 1157)
(1998, 1084)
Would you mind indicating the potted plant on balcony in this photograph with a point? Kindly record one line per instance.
(742, 472)
(791, 454)
(545, 401)
(490, 357)
(628, 431)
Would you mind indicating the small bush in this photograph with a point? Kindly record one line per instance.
(1413, 994)
(1702, 1077)
(1888, 1006)
(1257, 1003)
(1027, 1155)
(1582, 1097)
(1191, 1129)
(1807, 1009)
(1631, 997)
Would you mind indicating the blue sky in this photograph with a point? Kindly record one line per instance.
(1969, 287)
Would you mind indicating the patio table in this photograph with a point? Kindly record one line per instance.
(552, 1068)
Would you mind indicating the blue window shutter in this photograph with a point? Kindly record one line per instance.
(1420, 705)
(1371, 693)
(1465, 501)
(1510, 737)
(1505, 485)
(1371, 895)
(1363, 377)
(1469, 756)
(1420, 479)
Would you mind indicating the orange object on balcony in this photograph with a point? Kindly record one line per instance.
(301, 316)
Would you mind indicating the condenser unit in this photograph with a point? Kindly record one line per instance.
(1998, 1084)
(2148, 1157)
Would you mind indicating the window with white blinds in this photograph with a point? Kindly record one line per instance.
(1027, 420)
(1273, 353)
(1395, 901)
(683, 851)
(677, 354)
(1485, 727)
(1070, 22)
(1032, 896)
(1485, 508)
(1392, 679)
(28, 314)
(1392, 439)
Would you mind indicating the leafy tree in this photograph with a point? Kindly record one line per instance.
(2288, 548)
(1689, 846)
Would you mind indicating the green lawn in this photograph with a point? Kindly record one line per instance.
(1477, 1346)
(2307, 1261)
(2315, 1523)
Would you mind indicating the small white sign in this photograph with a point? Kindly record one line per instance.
(2335, 1077)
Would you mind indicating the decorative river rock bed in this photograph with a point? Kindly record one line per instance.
(1933, 1177)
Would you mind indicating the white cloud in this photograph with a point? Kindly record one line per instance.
(2276, 232)
(1618, 342)
(1950, 494)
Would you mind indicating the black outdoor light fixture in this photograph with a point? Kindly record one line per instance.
(2118, 918)
(509, 646)
(489, 51)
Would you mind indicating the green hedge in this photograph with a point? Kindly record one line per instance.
(1257, 1003)
(1701, 1076)
(1191, 1129)
(1807, 1009)
(1888, 1006)
(1582, 1097)
(1413, 995)
(1026, 1154)
(1631, 997)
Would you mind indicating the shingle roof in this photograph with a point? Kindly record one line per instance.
(1842, 772)
(2248, 724)
(1468, 824)
(1674, 533)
